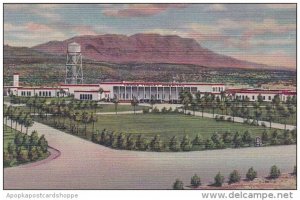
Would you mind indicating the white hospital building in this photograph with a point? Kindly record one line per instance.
(143, 91)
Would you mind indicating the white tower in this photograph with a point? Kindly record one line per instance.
(16, 80)
(74, 74)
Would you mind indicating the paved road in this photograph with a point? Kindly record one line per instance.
(85, 165)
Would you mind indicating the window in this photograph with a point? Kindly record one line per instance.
(49, 94)
(253, 97)
(91, 97)
(80, 96)
(40, 93)
(264, 97)
(269, 97)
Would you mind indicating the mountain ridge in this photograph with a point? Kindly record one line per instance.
(146, 48)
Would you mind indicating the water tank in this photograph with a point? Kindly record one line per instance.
(74, 47)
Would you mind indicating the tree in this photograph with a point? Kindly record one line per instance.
(219, 180)
(226, 137)
(194, 105)
(130, 143)
(34, 138)
(197, 140)
(185, 98)
(247, 139)
(274, 172)
(195, 181)
(28, 122)
(234, 177)
(186, 144)
(251, 174)
(237, 140)
(85, 119)
(152, 101)
(43, 144)
(77, 118)
(156, 143)
(216, 138)
(260, 98)
(33, 153)
(174, 144)
(121, 141)
(134, 103)
(265, 137)
(93, 118)
(116, 103)
(178, 185)
(22, 156)
(270, 116)
(209, 144)
(140, 143)
(213, 107)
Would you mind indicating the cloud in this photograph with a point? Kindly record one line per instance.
(281, 6)
(216, 8)
(138, 10)
(45, 11)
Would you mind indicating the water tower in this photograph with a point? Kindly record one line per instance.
(74, 74)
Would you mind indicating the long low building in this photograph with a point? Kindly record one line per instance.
(160, 91)
(266, 95)
(143, 91)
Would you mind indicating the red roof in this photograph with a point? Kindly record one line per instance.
(37, 88)
(252, 91)
(158, 83)
(80, 85)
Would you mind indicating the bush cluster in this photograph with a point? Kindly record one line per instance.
(25, 148)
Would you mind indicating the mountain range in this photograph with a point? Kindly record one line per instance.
(146, 48)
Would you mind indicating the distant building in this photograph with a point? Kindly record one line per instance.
(143, 91)
(267, 95)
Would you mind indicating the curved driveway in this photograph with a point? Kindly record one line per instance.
(85, 165)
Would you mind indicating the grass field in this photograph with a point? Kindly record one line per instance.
(292, 120)
(166, 125)
(111, 108)
(9, 135)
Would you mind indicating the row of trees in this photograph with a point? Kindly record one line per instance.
(273, 111)
(17, 115)
(216, 141)
(25, 148)
(234, 177)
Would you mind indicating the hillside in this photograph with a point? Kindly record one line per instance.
(25, 55)
(146, 48)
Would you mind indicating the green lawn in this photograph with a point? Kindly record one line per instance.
(166, 125)
(111, 108)
(9, 135)
(277, 118)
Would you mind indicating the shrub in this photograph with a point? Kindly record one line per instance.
(164, 110)
(176, 110)
(263, 124)
(145, 110)
(251, 174)
(234, 177)
(219, 180)
(170, 110)
(222, 118)
(155, 110)
(274, 172)
(229, 119)
(195, 181)
(178, 185)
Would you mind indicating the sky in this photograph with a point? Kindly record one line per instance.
(262, 33)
